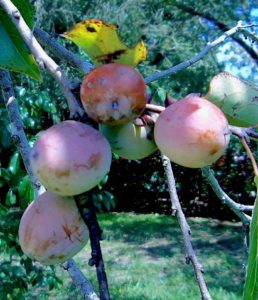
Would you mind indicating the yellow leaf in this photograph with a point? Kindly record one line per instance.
(102, 43)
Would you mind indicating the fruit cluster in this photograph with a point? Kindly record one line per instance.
(71, 158)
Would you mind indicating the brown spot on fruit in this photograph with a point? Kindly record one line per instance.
(44, 245)
(62, 173)
(215, 149)
(94, 161)
(27, 235)
(207, 136)
(67, 232)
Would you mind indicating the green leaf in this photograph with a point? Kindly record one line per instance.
(251, 283)
(15, 55)
(237, 99)
(10, 198)
(14, 164)
(25, 192)
(5, 174)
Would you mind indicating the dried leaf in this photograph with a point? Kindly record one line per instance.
(102, 43)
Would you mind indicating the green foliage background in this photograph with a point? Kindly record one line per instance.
(173, 31)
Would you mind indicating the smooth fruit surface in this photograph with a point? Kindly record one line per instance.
(51, 229)
(70, 158)
(113, 94)
(129, 140)
(192, 132)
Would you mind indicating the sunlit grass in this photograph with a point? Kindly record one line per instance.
(144, 259)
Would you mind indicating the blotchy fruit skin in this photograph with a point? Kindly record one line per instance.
(113, 94)
(70, 158)
(51, 229)
(192, 132)
(129, 140)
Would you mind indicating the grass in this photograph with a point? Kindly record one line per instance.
(144, 259)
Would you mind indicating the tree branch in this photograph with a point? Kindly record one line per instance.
(221, 26)
(190, 254)
(17, 126)
(225, 199)
(61, 52)
(90, 219)
(41, 57)
(80, 280)
(193, 60)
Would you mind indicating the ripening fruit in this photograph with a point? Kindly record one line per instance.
(113, 94)
(129, 140)
(192, 132)
(70, 158)
(51, 229)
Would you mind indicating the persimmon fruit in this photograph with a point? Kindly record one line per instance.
(70, 158)
(193, 132)
(113, 94)
(51, 229)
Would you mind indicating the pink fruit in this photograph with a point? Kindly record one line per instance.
(192, 132)
(52, 230)
(113, 94)
(70, 158)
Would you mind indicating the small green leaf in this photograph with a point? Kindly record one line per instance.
(10, 198)
(14, 164)
(251, 283)
(5, 174)
(15, 55)
(237, 99)
(107, 205)
(25, 192)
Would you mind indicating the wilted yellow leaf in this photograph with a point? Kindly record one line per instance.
(102, 43)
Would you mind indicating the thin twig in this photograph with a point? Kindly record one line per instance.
(41, 56)
(154, 108)
(223, 196)
(252, 36)
(60, 51)
(243, 134)
(17, 126)
(199, 56)
(251, 132)
(90, 218)
(23, 146)
(243, 207)
(80, 280)
(190, 254)
(250, 155)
